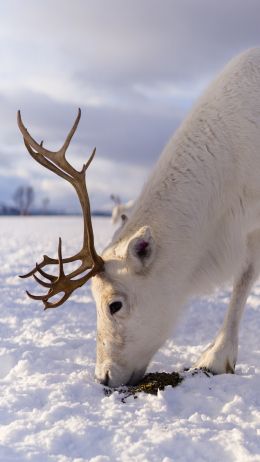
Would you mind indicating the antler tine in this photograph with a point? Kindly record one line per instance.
(65, 146)
(48, 276)
(48, 305)
(41, 159)
(61, 271)
(87, 164)
(90, 260)
(42, 283)
(30, 140)
(39, 146)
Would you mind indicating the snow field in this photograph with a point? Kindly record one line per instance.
(52, 410)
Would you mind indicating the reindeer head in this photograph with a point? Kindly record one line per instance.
(123, 283)
(131, 323)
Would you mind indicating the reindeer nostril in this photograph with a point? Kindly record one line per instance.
(105, 380)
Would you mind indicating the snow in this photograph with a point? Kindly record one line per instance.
(52, 410)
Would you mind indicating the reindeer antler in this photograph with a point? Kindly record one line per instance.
(90, 260)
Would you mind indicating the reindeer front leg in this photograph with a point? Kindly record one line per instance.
(221, 356)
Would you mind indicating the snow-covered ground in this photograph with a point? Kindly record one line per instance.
(52, 410)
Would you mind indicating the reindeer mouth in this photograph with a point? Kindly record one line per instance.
(135, 377)
(109, 381)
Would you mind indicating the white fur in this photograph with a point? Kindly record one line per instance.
(199, 214)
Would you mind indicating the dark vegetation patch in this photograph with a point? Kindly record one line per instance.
(153, 382)
(150, 384)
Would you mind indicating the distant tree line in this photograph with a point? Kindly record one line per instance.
(23, 199)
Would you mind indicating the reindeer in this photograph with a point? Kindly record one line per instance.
(120, 211)
(195, 226)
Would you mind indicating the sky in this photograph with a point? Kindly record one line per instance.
(134, 67)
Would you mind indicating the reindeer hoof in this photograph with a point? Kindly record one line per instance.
(219, 358)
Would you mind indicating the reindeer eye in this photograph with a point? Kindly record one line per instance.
(115, 306)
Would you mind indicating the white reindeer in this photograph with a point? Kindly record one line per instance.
(196, 225)
(120, 211)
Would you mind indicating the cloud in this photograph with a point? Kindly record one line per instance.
(120, 135)
(135, 68)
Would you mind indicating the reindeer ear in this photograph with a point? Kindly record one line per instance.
(141, 249)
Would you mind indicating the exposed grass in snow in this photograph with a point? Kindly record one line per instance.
(52, 410)
(151, 383)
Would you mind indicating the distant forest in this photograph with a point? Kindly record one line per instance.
(23, 205)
